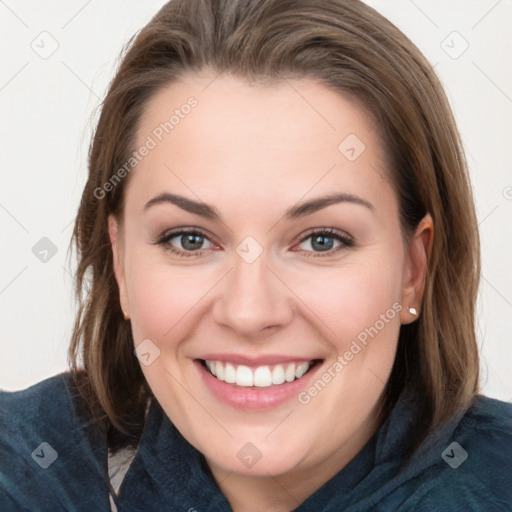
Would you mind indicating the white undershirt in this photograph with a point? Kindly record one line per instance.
(118, 465)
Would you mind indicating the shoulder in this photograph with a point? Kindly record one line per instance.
(496, 413)
(486, 432)
(473, 470)
(492, 413)
(30, 413)
(46, 449)
(34, 399)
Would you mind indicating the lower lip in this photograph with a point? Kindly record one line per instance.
(250, 398)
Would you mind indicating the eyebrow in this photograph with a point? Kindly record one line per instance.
(297, 211)
(314, 205)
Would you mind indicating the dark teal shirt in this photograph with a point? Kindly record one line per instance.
(466, 466)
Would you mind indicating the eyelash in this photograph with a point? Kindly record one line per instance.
(346, 241)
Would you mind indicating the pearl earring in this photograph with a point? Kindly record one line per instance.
(413, 311)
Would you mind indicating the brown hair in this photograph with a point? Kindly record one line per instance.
(352, 49)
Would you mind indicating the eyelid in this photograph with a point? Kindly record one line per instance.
(171, 233)
(336, 233)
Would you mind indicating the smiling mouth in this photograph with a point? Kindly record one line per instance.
(261, 376)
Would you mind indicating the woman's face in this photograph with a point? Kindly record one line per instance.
(270, 278)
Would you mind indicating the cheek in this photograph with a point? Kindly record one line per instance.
(352, 298)
(359, 307)
(161, 296)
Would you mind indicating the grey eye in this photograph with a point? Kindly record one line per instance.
(189, 241)
(318, 243)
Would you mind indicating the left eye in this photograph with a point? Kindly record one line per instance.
(321, 242)
(325, 241)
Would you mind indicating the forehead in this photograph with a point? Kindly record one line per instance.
(221, 137)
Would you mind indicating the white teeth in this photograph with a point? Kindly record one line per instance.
(230, 374)
(211, 367)
(219, 370)
(261, 377)
(278, 374)
(244, 376)
(289, 374)
(301, 370)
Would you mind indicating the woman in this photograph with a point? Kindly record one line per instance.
(278, 267)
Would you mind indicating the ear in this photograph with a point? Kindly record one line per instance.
(416, 268)
(118, 257)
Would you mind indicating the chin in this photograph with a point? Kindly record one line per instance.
(250, 460)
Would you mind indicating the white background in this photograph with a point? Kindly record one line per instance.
(47, 110)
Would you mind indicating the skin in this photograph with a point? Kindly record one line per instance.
(254, 152)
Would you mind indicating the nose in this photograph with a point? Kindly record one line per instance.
(253, 301)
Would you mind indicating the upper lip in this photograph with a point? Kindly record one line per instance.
(269, 359)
